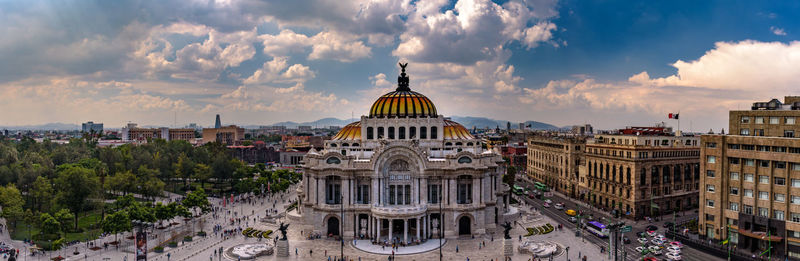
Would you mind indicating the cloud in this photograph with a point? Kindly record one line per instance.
(278, 70)
(777, 30)
(324, 45)
(379, 80)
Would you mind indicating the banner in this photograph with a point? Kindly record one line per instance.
(141, 246)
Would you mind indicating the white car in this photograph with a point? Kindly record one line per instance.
(661, 237)
(673, 256)
(639, 249)
(676, 244)
(655, 241)
(642, 240)
(674, 249)
(559, 206)
(651, 233)
(653, 248)
(548, 201)
(656, 252)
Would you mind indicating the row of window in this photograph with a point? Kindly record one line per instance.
(760, 132)
(772, 120)
(401, 133)
(763, 148)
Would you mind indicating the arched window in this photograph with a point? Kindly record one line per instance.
(391, 133)
(448, 144)
(628, 175)
(459, 144)
(412, 133)
(464, 159)
(333, 145)
(380, 133)
(434, 133)
(355, 144)
(345, 145)
(370, 135)
(614, 174)
(401, 133)
(469, 144)
(423, 132)
(333, 160)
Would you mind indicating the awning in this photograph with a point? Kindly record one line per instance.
(760, 235)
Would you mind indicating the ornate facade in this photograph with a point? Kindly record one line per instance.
(402, 173)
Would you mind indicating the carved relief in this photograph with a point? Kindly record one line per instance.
(399, 165)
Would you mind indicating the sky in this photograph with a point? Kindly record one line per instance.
(607, 63)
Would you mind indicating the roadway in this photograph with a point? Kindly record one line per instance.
(629, 251)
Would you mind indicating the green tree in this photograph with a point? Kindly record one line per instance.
(202, 173)
(116, 223)
(197, 200)
(12, 202)
(49, 225)
(76, 185)
(141, 213)
(124, 182)
(164, 212)
(64, 217)
(509, 177)
(42, 192)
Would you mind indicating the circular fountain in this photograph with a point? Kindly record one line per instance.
(250, 251)
(539, 248)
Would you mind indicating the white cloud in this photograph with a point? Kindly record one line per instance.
(777, 30)
(324, 45)
(379, 80)
(278, 70)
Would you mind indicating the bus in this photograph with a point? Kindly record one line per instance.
(518, 190)
(597, 228)
(540, 186)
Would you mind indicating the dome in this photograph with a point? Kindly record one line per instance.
(455, 131)
(350, 132)
(403, 102)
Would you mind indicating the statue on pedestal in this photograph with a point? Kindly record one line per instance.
(506, 229)
(283, 228)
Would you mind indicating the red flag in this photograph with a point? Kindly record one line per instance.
(670, 115)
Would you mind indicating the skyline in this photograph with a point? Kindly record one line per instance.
(558, 62)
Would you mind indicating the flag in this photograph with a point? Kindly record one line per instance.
(725, 242)
(674, 115)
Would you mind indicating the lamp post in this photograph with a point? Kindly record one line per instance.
(341, 225)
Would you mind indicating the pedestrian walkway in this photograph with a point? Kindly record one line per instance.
(367, 246)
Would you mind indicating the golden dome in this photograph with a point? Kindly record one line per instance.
(403, 102)
(350, 132)
(453, 130)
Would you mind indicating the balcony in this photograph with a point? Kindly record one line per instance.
(399, 210)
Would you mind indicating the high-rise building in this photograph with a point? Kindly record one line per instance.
(227, 135)
(217, 123)
(92, 127)
(554, 161)
(642, 171)
(751, 179)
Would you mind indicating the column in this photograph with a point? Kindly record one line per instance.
(390, 229)
(475, 191)
(378, 228)
(425, 226)
(418, 227)
(405, 230)
(375, 190)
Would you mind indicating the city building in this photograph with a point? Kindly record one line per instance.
(515, 155)
(751, 180)
(642, 171)
(227, 135)
(217, 123)
(554, 161)
(585, 129)
(403, 173)
(304, 128)
(92, 127)
(131, 132)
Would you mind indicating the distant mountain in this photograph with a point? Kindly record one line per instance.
(481, 123)
(46, 126)
(321, 123)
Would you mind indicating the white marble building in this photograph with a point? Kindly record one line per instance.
(387, 172)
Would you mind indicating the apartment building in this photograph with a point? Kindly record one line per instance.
(554, 161)
(751, 180)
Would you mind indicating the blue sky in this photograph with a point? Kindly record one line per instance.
(608, 63)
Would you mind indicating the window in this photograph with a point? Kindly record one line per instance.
(763, 179)
(380, 132)
(789, 120)
(795, 166)
(777, 214)
(779, 164)
(764, 212)
(362, 194)
(711, 159)
(734, 191)
(464, 192)
(734, 175)
(763, 163)
(745, 132)
(749, 162)
(733, 206)
(709, 217)
(391, 133)
(796, 183)
(795, 217)
(423, 132)
(733, 160)
(745, 119)
(788, 133)
(774, 120)
(748, 193)
(434, 133)
(333, 190)
(748, 177)
(710, 173)
(412, 133)
(780, 181)
(710, 188)
(711, 144)
(434, 194)
(763, 195)
(780, 197)
(796, 200)
(759, 120)
(710, 203)
(370, 135)
(748, 209)
(401, 133)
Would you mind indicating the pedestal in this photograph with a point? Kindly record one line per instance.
(508, 247)
(282, 247)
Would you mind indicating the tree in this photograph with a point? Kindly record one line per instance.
(141, 213)
(76, 185)
(42, 192)
(64, 217)
(117, 222)
(49, 225)
(510, 175)
(12, 202)
(197, 199)
(124, 182)
(202, 172)
(164, 212)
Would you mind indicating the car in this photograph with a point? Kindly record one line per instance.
(548, 201)
(571, 212)
(642, 240)
(656, 252)
(651, 228)
(640, 234)
(657, 242)
(559, 206)
(673, 256)
(673, 249)
(649, 258)
(651, 233)
(573, 219)
(640, 249)
(660, 237)
(668, 225)
(547, 205)
(676, 244)
(626, 240)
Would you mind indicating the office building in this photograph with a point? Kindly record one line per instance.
(92, 127)
(554, 161)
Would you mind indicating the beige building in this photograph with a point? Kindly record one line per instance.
(227, 135)
(132, 132)
(751, 180)
(554, 161)
(642, 171)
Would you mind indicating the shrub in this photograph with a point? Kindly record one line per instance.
(187, 238)
(172, 244)
(158, 249)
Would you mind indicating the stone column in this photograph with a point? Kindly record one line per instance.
(390, 229)
(375, 190)
(418, 226)
(405, 230)
(475, 191)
